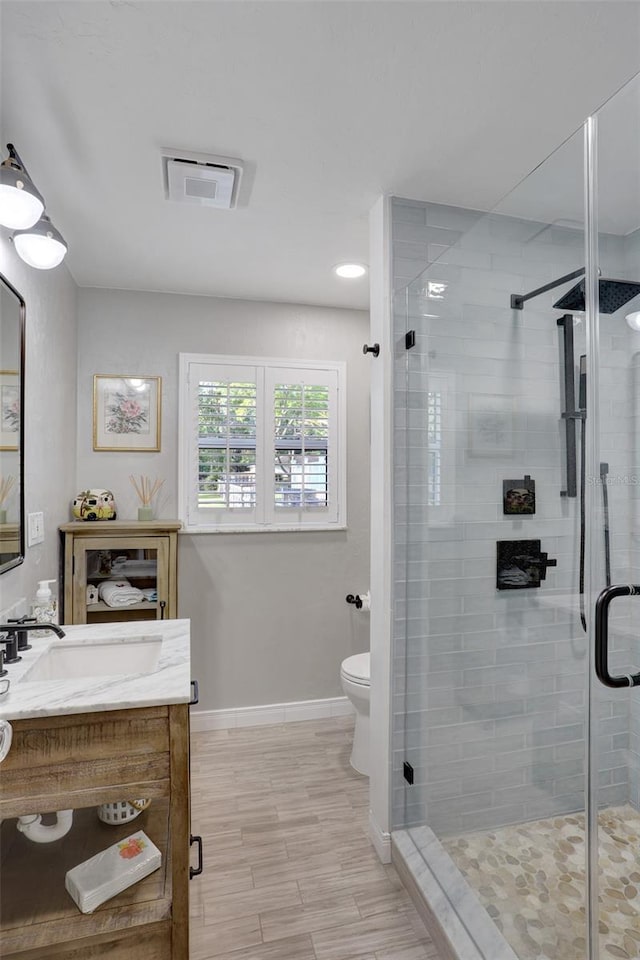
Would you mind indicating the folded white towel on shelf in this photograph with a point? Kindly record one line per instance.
(119, 593)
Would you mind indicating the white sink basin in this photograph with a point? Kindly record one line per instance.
(69, 659)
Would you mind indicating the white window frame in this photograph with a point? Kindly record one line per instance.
(266, 517)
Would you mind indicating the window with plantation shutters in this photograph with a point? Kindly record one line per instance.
(262, 444)
(226, 408)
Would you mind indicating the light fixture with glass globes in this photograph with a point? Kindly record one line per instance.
(41, 246)
(36, 240)
(21, 204)
(350, 271)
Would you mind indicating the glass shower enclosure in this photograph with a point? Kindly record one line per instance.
(516, 738)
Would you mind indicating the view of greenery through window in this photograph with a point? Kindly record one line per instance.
(301, 432)
(228, 472)
(227, 443)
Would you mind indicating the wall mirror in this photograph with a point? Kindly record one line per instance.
(12, 320)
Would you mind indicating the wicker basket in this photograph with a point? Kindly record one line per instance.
(121, 811)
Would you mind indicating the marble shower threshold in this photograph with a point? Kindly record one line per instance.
(458, 923)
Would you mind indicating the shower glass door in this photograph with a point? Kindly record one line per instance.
(614, 520)
(496, 685)
(517, 771)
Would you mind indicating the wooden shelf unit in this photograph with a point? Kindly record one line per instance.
(90, 550)
(38, 918)
(102, 607)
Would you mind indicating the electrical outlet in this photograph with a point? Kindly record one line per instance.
(35, 528)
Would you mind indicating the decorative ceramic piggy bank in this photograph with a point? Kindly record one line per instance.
(94, 505)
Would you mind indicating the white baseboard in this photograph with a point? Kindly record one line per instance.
(202, 720)
(380, 839)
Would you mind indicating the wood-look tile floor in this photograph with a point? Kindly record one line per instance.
(289, 871)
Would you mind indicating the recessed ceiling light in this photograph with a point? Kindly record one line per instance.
(350, 271)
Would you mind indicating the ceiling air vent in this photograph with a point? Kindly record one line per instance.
(198, 178)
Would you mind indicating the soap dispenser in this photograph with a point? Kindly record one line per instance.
(45, 607)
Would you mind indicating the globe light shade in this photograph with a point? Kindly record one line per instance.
(41, 246)
(21, 205)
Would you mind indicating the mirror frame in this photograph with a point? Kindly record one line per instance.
(21, 345)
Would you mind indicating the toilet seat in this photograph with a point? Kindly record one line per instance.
(357, 669)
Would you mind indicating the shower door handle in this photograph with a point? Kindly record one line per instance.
(602, 635)
(196, 871)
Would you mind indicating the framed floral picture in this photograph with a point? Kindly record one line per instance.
(126, 413)
(9, 409)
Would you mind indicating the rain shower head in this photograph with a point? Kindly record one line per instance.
(612, 294)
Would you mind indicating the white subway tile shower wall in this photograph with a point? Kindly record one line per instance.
(489, 686)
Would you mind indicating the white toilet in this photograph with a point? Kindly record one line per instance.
(355, 674)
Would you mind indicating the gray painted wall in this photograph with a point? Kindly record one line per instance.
(269, 619)
(50, 401)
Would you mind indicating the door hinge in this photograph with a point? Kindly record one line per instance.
(410, 339)
(407, 771)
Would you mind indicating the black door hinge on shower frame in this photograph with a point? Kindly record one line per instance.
(409, 339)
(407, 771)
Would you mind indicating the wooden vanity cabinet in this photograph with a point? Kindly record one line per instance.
(77, 762)
(145, 554)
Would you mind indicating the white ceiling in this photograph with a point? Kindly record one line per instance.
(329, 104)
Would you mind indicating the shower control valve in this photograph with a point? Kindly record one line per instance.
(543, 562)
(521, 564)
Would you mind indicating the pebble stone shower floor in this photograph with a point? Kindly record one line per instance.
(531, 880)
(289, 872)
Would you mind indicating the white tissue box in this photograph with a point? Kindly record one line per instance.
(113, 870)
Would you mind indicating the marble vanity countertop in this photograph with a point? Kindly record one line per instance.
(170, 682)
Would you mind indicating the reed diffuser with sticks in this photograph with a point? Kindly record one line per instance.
(146, 490)
(6, 486)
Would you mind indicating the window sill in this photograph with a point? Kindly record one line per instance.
(291, 528)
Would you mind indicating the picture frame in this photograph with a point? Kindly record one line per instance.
(490, 425)
(9, 409)
(127, 413)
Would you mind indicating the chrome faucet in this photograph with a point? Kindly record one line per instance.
(15, 637)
